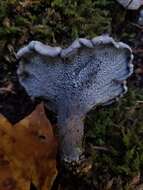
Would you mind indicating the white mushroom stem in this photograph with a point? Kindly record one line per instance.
(71, 131)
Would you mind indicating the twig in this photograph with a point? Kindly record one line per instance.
(102, 148)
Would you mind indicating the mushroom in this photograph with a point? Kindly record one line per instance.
(131, 4)
(140, 19)
(74, 80)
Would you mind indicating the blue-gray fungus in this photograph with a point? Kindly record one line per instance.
(74, 80)
(140, 19)
(131, 4)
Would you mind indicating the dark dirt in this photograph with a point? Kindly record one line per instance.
(15, 104)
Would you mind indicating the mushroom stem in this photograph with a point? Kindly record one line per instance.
(71, 131)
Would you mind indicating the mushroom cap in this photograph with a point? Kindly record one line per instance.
(140, 19)
(87, 73)
(131, 4)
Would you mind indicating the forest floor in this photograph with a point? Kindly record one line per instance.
(114, 134)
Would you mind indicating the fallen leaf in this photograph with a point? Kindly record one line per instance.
(27, 153)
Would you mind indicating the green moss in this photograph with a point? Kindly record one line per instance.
(67, 19)
(119, 128)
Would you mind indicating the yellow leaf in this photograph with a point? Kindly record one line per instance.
(28, 153)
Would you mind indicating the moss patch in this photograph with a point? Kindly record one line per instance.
(114, 136)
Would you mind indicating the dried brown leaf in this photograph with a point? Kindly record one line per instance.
(28, 152)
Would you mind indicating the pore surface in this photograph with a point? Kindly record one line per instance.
(74, 80)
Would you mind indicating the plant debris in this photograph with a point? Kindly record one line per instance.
(27, 153)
